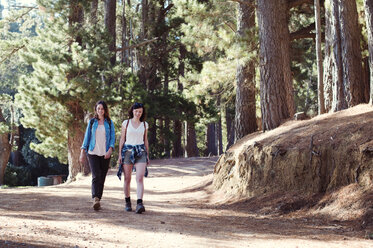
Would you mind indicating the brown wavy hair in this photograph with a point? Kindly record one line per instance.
(106, 109)
(137, 105)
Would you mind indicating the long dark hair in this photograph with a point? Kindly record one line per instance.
(137, 105)
(106, 109)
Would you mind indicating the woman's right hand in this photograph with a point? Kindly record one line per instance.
(81, 157)
(119, 159)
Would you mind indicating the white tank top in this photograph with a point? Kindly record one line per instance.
(100, 145)
(135, 136)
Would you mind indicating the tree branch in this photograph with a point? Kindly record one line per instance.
(13, 52)
(304, 33)
(295, 3)
(136, 45)
(245, 3)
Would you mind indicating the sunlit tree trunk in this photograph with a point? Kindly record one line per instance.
(368, 4)
(320, 83)
(75, 136)
(245, 118)
(75, 131)
(5, 150)
(274, 69)
(342, 54)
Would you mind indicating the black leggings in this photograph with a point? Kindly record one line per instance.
(99, 167)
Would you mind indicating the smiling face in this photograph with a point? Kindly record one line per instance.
(100, 111)
(137, 113)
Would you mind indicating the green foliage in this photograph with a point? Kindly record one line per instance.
(33, 164)
(66, 76)
(303, 63)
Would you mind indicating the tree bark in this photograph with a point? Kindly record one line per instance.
(177, 147)
(75, 132)
(125, 53)
(343, 55)
(110, 22)
(320, 83)
(275, 69)
(328, 60)
(191, 146)
(245, 119)
(229, 118)
(368, 4)
(94, 7)
(75, 136)
(153, 133)
(220, 136)
(211, 140)
(351, 53)
(366, 80)
(5, 150)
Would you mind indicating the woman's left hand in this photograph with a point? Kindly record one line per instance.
(108, 153)
(148, 162)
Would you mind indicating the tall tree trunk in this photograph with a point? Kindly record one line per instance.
(5, 150)
(219, 130)
(177, 150)
(75, 131)
(125, 53)
(351, 53)
(167, 120)
(94, 7)
(177, 147)
(320, 83)
(110, 22)
(229, 118)
(368, 4)
(328, 59)
(153, 133)
(366, 78)
(75, 136)
(245, 119)
(191, 146)
(286, 61)
(272, 16)
(343, 46)
(211, 140)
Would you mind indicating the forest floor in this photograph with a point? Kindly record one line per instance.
(182, 210)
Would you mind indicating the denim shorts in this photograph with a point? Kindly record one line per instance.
(140, 159)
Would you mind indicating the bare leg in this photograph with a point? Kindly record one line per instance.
(140, 171)
(127, 168)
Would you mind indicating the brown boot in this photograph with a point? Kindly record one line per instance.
(96, 203)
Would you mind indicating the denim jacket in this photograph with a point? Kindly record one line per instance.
(90, 137)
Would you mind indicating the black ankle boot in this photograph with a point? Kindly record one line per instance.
(128, 207)
(140, 207)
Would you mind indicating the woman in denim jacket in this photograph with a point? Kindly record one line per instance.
(99, 140)
(134, 151)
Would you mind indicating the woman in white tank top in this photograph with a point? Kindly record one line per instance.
(134, 151)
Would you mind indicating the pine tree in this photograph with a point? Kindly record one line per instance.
(275, 88)
(368, 4)
(343, 61)
(69, 62)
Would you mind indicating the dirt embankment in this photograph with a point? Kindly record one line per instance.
(310, 160)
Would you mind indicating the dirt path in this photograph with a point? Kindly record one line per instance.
(179, 213)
